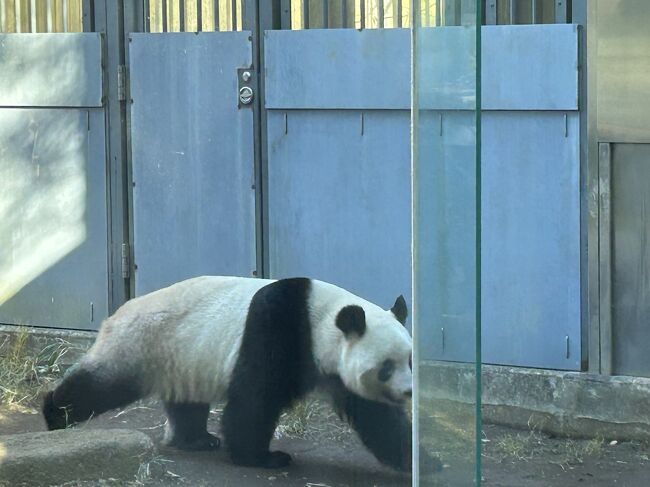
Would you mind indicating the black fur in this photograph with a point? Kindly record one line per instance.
(384, 429)
(274, 368)
(186, 427)
(399, 310)
(84, 393)
(351, 320)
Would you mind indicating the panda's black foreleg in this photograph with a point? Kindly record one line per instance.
(383, 428)
(85, 392)
(248, 424)
(186, 427)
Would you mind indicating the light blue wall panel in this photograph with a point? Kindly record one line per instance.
(339, 212)
(531, 239)
(338, 192)
(193, 199)
(51, 70)
(531, 67)
(53, 226)
(446, 235)
(339, 200)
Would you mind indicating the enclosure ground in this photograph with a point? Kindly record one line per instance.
(326, 454)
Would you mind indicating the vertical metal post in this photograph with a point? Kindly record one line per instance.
(32, 16)
(513, 12)
(199, 15)
(491, 12)
(561, 11)
(380, 13)
(181, 15)
(65, 12)
(439, 7)
(362, 13)
(88, 16)
(215, 15)
(590, 302)
(163, 15)
(605, 234)
(147, 15)
(285, 14)
(533, 11)
(326, 14)
(233, 14)
(398, 13)
(344, 13)
(451, 12)
(305, 14)
(427, 14)
(262, 17)
(114, 20)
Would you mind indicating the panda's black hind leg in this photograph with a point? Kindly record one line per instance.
(85, 392)
(186, 427)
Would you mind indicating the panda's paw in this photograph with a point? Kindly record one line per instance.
(277, 459)
(203, 443)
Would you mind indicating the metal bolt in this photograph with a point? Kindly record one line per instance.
(246, 75)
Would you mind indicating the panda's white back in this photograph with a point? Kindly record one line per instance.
(183, 340)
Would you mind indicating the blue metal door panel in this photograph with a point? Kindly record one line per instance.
(339, 199)
(446, 231)
(53, 223)
(336, 193)
(531, 239)
(350, 69)
(193, 157)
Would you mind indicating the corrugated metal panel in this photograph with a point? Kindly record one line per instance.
(193, 200)
(341, 211)
(533, 67)
(53, 227)
(51, 70)
(531, 239)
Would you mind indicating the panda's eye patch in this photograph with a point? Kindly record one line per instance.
(386, 371)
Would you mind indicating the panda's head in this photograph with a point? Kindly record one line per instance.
(375, 361)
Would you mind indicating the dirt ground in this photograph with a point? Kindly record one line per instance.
(326, 454)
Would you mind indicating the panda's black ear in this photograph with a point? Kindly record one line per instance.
(400, 310)
(351, 320)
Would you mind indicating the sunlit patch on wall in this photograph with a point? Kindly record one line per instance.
(43, 202)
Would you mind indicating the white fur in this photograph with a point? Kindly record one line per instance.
(194, 362)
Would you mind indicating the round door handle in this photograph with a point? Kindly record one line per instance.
(246, 95)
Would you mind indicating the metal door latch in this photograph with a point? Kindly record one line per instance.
(246, 81)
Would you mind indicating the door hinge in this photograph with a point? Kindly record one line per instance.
(121, 82)
(126, 261)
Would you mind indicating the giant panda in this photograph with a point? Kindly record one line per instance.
(258, 345)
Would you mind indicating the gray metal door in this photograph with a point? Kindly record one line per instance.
(630, 258)
(192, 157)
(53, 213)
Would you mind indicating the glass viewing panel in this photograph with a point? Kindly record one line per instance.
(445, 236)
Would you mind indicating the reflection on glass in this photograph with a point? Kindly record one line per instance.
(445, 237)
